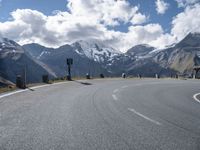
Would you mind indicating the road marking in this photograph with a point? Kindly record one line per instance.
(35, 87)
(143, 116)
(12, 93)
(41, 86)
(114, 97)
(116, 90)
(125, 86)
(195, 97)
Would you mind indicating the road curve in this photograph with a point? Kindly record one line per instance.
(108, 114)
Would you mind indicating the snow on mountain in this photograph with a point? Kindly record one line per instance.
(9, 47)
(13, 59)
(96, 51)
(183, 56)
(142, 59)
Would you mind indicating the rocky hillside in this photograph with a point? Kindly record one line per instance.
(95, 58)
(13, 61)
(181, 57)
(56, 59)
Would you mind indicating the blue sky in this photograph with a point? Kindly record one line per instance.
(47, 7)
(107, 21)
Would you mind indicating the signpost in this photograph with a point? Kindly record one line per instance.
(69, 63)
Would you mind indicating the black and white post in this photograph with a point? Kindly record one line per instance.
(69, 63)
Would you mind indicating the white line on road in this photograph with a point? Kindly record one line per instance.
(114, 97)
(143, 116)
(35, 87)
(195, 97)
(116, 90)
(12, 93)
(125, 86)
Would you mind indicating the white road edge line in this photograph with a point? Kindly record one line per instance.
(12, 93)
(114, 97)
(143, 116)
(116, 90)
(195, 97)
(35, 87)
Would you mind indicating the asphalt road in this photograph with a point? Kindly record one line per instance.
(124, 114)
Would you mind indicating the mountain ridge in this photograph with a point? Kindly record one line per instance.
(96, 58)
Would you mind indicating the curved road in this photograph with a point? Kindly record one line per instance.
(124, 114)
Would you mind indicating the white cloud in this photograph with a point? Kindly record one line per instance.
(150, 34)
(184, 3)
(186, 22)
(29, 26)
(85, 20)
(139, 19)
(110, 12)
(89, 20)
(161, 6)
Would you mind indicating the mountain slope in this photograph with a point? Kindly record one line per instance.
(183, 56)
(98, 58)
(96, 51)
(13, 62)
(56, 60)
(4, 82)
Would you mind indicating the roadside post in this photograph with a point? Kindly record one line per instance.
(20, 82)
(87, 76)
(157, 76)
(101, 75)
(45, 79)
(69, 64)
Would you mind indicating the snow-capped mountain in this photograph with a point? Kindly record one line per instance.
(96, 58)
(183, 56)
(13, 61)
(88, 57)
(140, 59)
(5, 43)
(137, 60)
(9, 47)
(56, 59)
(95, 50)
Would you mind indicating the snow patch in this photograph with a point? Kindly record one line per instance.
(96, 51)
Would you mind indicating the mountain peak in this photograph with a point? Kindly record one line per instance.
(95, 50)
(191, 40)
(141, 48)
(10, 45)
(86, 44)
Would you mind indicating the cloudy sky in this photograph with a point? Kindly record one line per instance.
(118, 23)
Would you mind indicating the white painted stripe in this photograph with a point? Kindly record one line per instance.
(143, 116)
(12, 93)
(35, 87)
(41, 86)
(114, 97)
(125, 86)
(195, 97)
(116, 90)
